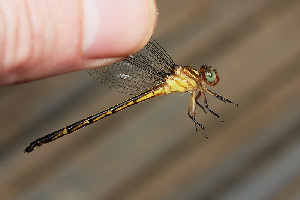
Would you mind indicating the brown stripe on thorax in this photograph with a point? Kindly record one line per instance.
(190, 72)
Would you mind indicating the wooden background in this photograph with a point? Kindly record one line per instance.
(152, 151)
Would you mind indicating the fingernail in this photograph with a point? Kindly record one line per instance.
(116, 28)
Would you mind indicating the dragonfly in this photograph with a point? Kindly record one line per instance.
(149, 73)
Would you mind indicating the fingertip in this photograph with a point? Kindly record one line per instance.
(116, 28)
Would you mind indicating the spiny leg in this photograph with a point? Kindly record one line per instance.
(206, 105)
(220, 97)
(191, 113)
(197, 97)
(224, 99)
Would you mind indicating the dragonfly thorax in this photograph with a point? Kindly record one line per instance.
(184, 79)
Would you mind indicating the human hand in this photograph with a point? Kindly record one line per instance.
(43, 38)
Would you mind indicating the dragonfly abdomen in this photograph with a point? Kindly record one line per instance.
(153, 92)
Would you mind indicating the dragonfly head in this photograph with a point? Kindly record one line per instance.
(209, 75)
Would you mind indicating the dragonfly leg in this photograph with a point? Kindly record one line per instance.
(206, 106)
(197, 123)
(218, 96)
(191, 113)
(197, 97)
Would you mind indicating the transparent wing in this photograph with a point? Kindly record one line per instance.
(138, 72)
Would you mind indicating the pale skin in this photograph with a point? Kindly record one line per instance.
(43, 38)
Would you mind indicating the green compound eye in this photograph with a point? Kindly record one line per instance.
(210, 75)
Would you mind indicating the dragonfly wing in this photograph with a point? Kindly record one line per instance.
(138, 72)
